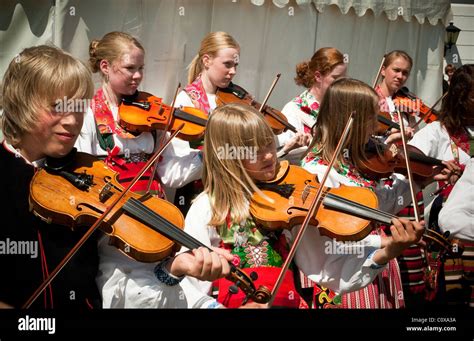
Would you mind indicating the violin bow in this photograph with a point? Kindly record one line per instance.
(313, 208)
(410, 182)
(438, 238)
(277, 78)
(407, 160)
(99, 220)
(286, 124)
(153, 170)
(378, 73)
(429, 111)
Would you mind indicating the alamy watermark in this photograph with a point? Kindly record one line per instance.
(28, 323)
(65, 105)
(15, 247)
(334, 247)
(228, 152)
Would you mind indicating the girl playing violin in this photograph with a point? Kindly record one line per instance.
(448, 139)
(342, 97)
(316, 75)
(239, 151)
(395, 71)
(123, 281)
(35, 128)
(120, 59)
(213, 68)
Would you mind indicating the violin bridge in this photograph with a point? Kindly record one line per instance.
(105, 192)
(306, 191)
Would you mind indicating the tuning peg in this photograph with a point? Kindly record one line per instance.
(233, 289)
(253, 275)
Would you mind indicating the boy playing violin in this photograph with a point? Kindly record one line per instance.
(34, 129)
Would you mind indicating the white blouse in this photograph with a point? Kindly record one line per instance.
(184, 100)
(457, 214)
(298, 119)
(123, 281)
(175, 170)
(434, 141)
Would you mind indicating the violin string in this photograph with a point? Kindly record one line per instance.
(347, 201)
(168, 229)
(160, 224)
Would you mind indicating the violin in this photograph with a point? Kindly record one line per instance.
(385, 123)
(293, 190)
(76, 190)
(241, 279)
(409, 102)
(346, 212)
(145, 112)
(236, 94)
(383, 160)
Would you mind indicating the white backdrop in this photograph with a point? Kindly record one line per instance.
(273, 38)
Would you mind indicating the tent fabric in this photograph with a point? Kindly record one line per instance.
(273, 39)
(433, 10)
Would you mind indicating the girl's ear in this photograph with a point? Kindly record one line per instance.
(318, 77)
(206, 61)
(104, 66)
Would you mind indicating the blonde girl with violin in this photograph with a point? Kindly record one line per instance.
(35, 129)
(325, 66)
(449, 139)
(342, 97)
(213, 67)
(239, 153)
(124, 282)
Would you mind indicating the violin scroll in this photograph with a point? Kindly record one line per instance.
(236, 94)
(145, 112)
(245, 282)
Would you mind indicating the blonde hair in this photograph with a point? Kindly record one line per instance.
(225, 179)
(210, 45)
(342, 97)
(111, 48)
(34, 81)
(323, 60)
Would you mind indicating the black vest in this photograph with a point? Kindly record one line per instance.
(22, 271)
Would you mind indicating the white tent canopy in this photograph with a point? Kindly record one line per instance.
(432, 10)
(273, 38)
